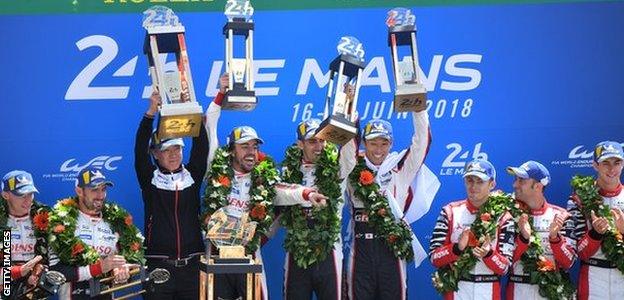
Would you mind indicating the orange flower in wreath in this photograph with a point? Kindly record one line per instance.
(258, 212)
(77, 248)
(545, 265)
(392, 238)
(68, 202)
(366, 177)
(135, 246)
(40, 220)
(128, 220)
(59, 228)
(224, 181)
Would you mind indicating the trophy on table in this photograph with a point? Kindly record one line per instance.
(180, 114)
(240, 94)
(340, 127)
(229, 231)
(410, 94)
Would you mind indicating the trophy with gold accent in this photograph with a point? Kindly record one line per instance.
(180, 114)
(410, 94)
(229, 231)
(340, 127)
(240, 94)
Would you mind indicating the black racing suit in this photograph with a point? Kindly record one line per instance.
(171, 207)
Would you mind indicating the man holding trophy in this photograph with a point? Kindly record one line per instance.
(170, 189)
(313, 162)
(244, 180)
(28, 221)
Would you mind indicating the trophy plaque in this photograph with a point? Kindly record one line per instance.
(180, 114)
(410, 93)
(240, 94)
(340, 127)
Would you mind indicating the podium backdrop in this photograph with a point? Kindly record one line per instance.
(508, 82)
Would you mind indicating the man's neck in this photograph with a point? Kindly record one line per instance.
(535, 203)
(608, 186)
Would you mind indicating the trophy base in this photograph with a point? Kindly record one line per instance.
(410, 97)
(336, 129)
(231, 252)
(179, 120)
(242, 100)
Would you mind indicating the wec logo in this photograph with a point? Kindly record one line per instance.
(99, 162)
(578, 153)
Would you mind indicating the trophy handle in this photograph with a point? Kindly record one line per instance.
(415, 57)
(229, 45)
(156, 65)
(249, 57)
(395, 61)
(355, 96)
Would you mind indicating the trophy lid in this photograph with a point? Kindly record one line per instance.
(351, 46)
(236, 10)
(161, 19)
(400, 17)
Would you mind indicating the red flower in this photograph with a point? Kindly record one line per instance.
(366, 177)
(392, 238)
(545, 265)
(135, 246)
(40, 220)
(472, 240)
(77, 249)
(258, 212)
(381, 212)
(224, 181)
(128, 220)
(59, 228)
(485, 217)
(261, 156)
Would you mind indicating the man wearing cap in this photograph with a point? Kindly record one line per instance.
(93, 232)
(171, 202)
(307, 163)
(234, 166)
(552, 224)
(373, 268)
(27, 220)
(598, 277)
(452, 234)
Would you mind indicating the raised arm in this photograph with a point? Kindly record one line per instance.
(213, 112)
(142, 162)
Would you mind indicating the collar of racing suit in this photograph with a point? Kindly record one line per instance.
(612, 193)
(471, 208)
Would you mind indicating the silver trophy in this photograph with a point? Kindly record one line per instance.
(339, 127)
(240, 94)
(410, 94)
(180, 114)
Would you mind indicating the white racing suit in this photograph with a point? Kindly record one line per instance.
(483, 282)
(373, 271)
(96, 233)
(232, 286)
(598, 277)
(560, 250)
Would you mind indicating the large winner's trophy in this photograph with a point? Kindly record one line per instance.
(410, 94)
(180, 114)
(339, 127)
(240, 94)
(229, 231)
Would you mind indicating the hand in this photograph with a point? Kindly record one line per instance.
(224, 83)
(155, 102)
(601, 225)
(483, 250)
(28, 266)
(111, 262)
(525, 227)
(618, 216)
(317, 199)
(555, 226)
(35, 274)
(121, 274)
(463, 239)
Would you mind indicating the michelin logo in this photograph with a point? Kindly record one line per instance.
(69, 169)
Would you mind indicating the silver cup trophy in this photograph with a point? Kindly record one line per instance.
(240, 94)
(180, 114)
(340, 127)
(410, 93)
